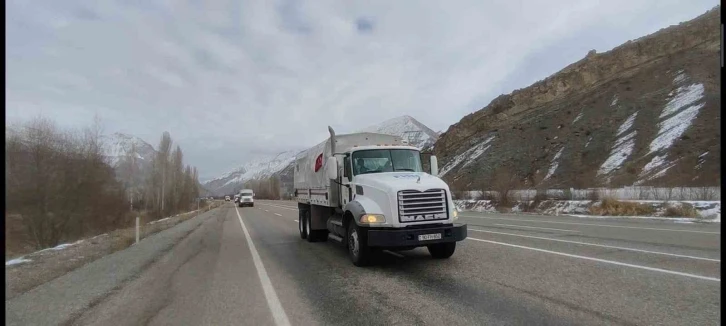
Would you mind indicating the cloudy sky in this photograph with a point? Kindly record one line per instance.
(233, 79)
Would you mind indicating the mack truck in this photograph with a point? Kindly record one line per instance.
(368, 192)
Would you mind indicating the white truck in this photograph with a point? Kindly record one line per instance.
(368, 191)
(246, 198)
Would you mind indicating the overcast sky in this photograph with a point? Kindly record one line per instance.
(230, 79)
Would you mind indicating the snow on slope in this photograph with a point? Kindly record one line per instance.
(408, 128)
(119, 145)
(469, 155)
(622, 148)
(679, 113)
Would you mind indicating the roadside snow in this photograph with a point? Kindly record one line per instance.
(469, 155)
(59, 247)
(16, 261)
(161, 220)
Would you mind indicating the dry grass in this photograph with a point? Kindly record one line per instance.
(683, 210)
(612, 207)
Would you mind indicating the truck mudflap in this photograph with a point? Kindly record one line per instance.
(416, 237)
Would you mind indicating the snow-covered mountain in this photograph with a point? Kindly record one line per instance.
(120, 147)
(408, 128)
(415, 132)
(259, 167)
(130, 156)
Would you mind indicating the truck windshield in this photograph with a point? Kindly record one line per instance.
(386, 160)
(246, 194)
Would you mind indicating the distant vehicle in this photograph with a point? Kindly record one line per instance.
(369, 192)
(246, 198)
(226, 198)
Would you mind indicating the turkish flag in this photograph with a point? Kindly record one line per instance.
(319, 162)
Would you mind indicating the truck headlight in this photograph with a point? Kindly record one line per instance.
(372, 218)
(455, 214)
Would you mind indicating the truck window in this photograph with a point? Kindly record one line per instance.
(386, 160)
(346, 167)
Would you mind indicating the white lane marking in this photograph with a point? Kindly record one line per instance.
(600, 245)
(590, 224)
(602, 260)
(277, 214)
(292, 209)
(534, 227)
(394, 253)
(278, 313)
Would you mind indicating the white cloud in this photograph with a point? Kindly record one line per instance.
(237, 73)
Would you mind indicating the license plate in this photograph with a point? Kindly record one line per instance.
(424, 237)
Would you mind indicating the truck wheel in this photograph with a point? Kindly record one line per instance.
(358, 250)
(442, 250)
(308, 227)
(301, 225)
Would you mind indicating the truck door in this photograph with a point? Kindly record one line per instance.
(345, 191)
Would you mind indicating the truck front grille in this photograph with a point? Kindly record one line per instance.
(417, 206)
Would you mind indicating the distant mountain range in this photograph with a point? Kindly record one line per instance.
(280, 164)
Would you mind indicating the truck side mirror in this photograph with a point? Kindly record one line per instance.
(331, 168)
(434, 166)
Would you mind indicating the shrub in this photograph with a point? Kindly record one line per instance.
(612, 207)
(683, 210)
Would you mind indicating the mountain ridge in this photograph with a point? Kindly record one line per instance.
(605, 120)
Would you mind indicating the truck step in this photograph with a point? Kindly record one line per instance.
(335, 237)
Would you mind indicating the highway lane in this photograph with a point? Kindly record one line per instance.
(514, 276)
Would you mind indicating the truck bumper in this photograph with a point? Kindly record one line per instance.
(410, 237)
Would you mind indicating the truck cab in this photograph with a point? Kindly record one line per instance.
(246, 198)
(370, 194)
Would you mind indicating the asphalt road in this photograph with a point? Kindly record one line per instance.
(248, 266)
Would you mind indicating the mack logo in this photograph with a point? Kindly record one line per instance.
(425, 217)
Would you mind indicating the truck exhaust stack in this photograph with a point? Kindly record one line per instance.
(332, 140)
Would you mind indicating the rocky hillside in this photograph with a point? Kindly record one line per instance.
(280, 165)
(646, 113)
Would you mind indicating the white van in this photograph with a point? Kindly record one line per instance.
(246, 198)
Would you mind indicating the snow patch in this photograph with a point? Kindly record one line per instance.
(588, 142)
(680, 77)
(555, 163)
(469, 155)
(685, 96)
(578, 117)
(161, 220)
(674, 127)
(622, 149)
(627, 124)
(19, 260)
(615, 100)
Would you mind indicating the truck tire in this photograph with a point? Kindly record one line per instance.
(358, 250)
(301, 225)
(442, 250)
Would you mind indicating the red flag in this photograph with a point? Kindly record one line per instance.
(319, 162)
